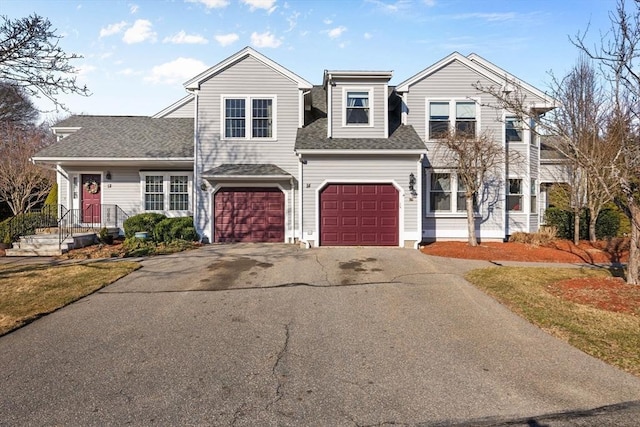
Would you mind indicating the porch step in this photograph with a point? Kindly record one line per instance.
(47, 244)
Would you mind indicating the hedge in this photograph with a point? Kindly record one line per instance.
(607, 224)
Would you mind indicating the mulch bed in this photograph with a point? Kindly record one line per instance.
(606, 293)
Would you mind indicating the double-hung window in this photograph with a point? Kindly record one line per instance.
(438, 119)
(153, 193)
(166, 191)
(249, 117)
(514, 195)
(357, 107)
(534, 197)
(513, 129)
(461, 202)
(461, 116)
(466, 119)
(440, 192)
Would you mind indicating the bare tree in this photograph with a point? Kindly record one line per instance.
(618, 56)
(15, 105)
(476, 159)
(23, 184)
(30, 57)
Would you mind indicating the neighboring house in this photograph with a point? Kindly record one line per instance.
(256, 153)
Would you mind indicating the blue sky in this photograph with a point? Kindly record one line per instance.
(137, 53)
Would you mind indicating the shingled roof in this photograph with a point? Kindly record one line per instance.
(123, 137)
(239, 170)
(314, 135)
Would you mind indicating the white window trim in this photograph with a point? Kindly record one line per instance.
(453, 212)
(248, 117)
(166, 181)
(524, 200)
(524, 130)
(345, 90)
(452, 114)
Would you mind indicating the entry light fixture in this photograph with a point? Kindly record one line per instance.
(108, 176)
(412, 184)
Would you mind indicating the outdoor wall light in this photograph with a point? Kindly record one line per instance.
(412, 184)
(203, 186)
(108, 176)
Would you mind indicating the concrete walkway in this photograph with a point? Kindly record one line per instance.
(275, 335)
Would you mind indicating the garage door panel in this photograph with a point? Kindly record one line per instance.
(359, 214)
(249, 215)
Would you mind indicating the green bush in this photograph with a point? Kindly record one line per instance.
(137, 247)
(607, 224)
(145, 222)
(23, 224)
(170, 229)
(560, 219)
(105, 237)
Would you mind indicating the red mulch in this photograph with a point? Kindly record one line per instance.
(607, 293)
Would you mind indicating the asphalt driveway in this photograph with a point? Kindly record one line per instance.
(277, 335)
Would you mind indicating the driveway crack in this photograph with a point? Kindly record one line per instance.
(324, 269)
(277, 367)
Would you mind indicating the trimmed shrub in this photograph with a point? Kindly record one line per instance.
(544, 236)
(170, 229)
(105, 237)
(607, 224)
(145, 222)
(562, 221)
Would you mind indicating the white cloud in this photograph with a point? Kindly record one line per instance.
(183, 38)
(337, 32)
(267, 5)
(327, 21)
(265, 40)
(368, 36)
(211, 4)
(491, 17)
(396, 7)
(112, 29)
(133, 8)
(226, 39)
(129, 72)
(429, 3)
(85, 69)
(293, 21)
(140, 31)
(176, 71)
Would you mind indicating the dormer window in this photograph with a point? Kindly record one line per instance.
(357, 107)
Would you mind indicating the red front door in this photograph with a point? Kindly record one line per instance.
(91, 189)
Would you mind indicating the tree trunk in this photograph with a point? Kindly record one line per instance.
(593, 217)
(471, 221)
(633, 267)
(576, 227)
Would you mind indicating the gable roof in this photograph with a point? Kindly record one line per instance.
(195, 82)
(504, 75)
(484, 68)
(455, 56)
(122, 137)
(173, 107)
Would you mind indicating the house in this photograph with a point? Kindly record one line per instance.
(256, 153)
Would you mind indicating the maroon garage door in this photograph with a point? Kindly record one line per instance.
(359, 214)
(249, 215)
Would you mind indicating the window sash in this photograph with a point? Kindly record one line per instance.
(234, 118)
(154, 193)
(178, 193)
(262, 118)
(533, 197)
(461, 202)
(513, 129)
(514, 195)
(466, 119)
(357, 111)
(440, 194)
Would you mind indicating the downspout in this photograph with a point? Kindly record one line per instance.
(300, 198)
(420, 201)
(329, 109)
(195, 186)
(293, 211)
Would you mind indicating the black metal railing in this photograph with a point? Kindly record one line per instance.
(91, 218)
(29, 222)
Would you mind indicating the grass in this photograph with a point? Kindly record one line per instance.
(610, 336)
(30, 291)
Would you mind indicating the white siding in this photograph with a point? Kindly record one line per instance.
(338, 109)
(247, 77)
(365, 170)
(184, 112)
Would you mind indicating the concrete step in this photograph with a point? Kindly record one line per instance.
(34, 252)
